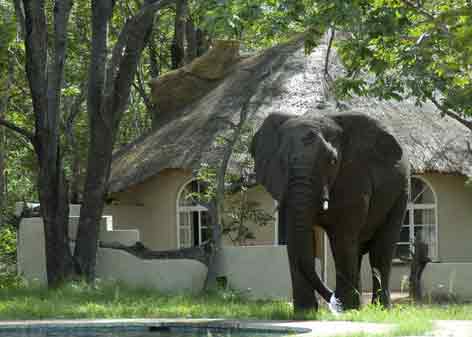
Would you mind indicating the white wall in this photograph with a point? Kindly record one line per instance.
(178, 275)
(31, 251)
(169, 276)
(448, 279)
(260, 270)
(156, 197)
(454, 217)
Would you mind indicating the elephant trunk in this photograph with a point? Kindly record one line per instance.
(302, 207)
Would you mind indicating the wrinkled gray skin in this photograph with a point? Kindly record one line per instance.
(351, 164)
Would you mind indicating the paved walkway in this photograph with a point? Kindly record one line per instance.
(453, 329)
(311, 328)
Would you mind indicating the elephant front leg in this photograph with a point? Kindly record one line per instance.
(300, 246)
(346, 257)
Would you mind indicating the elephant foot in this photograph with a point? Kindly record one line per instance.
(335, 305)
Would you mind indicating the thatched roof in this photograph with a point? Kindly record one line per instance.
(284, 79)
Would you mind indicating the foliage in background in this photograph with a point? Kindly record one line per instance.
(239, 214)
(239, 211)
(420, 49)
(8, 271)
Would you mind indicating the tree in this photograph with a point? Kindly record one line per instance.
(108, 93)
(415, 49)
(109, 88)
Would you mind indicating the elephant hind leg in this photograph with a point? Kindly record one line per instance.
(381, 252)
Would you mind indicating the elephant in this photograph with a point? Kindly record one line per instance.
(345, 173)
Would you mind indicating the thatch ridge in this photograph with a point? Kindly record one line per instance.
(284, 79)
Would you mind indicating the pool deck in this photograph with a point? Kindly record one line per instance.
(307, 328)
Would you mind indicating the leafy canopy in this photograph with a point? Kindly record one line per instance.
(413, 47)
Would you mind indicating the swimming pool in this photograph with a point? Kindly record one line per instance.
(143, 331)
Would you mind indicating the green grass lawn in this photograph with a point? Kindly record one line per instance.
(116, 301)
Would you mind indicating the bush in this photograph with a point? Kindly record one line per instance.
(8, 241)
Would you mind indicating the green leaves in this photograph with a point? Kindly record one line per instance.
(420, 49)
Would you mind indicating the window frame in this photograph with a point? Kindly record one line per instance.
(189, 209)
(411, 208)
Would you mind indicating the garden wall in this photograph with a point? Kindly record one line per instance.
(164, 275)
(448, 280)
(258, 271)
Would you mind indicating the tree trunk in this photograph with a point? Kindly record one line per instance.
(45, 75)
(154, 60)
(203, 44)
(75, 178)
(108, 97)
(98, 169)
(99, 146)
(191, 37)
(177, 47)
(418, 263)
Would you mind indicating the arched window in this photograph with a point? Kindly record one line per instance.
(192, 218)
(420, 220)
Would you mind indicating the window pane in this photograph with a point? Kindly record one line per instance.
(185, 229)
(205, 235)
(189, 195)
(406, 219)
(424, 216)
(420, 192)
(405, 234)
(186, 198)
(403, 250)
(196, 233)
(205, 218)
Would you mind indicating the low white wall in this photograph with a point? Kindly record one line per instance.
(448, 279)
(180, 275)
(31, 251)
(31, 244)
(262, 271)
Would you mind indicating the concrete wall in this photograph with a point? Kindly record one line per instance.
(454, 217)
(151, 208)
(259, 271)
(165, 275)
(262, 271)
(264, 235)
(157, 197)
(169, 276)
(31, 251)
(446, 279)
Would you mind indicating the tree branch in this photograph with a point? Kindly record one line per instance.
(20, 17)
(23, 132)
(139, 86)
(425, 13)
(444, 110)
(420, 10)
(36, 56)
(124, 61)
(328, 54)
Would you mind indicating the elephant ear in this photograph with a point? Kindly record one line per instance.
(271, 163)
(364, 137)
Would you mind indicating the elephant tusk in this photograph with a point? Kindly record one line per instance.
(325, 205)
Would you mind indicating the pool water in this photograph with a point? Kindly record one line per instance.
(142, 332)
